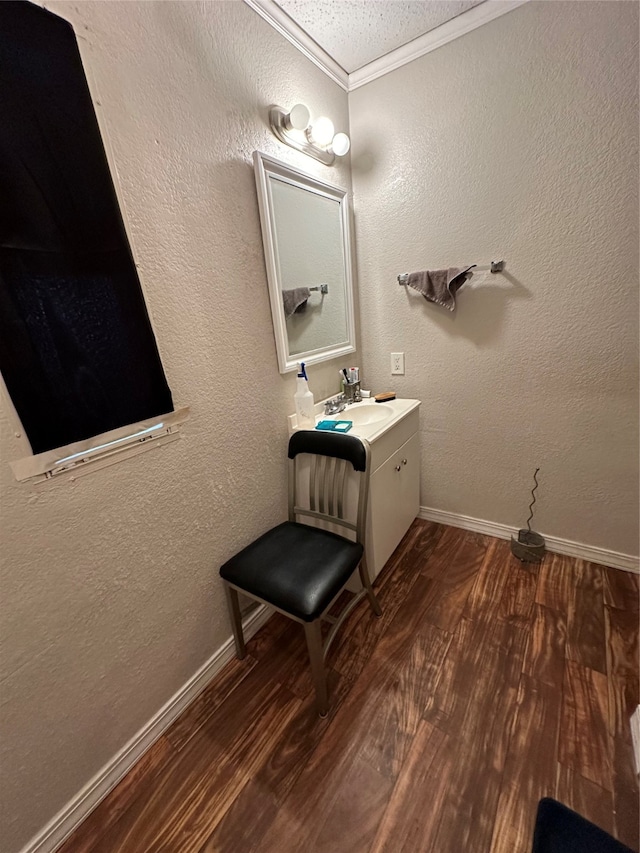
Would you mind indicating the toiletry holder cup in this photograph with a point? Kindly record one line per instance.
(352, 392)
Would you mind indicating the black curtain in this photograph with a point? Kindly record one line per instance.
(77, 351)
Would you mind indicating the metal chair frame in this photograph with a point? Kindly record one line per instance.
(326, 503)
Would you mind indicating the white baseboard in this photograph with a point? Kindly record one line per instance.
(63, 824)
(627, 562)
(635, 737)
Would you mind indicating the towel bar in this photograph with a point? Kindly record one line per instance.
(494, 266)
(323, 288)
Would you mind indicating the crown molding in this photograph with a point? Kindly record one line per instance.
(450, 30)
(280, 21)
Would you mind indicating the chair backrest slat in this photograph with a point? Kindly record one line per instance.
(312, 482)
(321, 481)
(349, 525)
(336, 502)
(329, 467)
(322, 464)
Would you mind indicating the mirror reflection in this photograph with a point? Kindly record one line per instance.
(310, 245)
(307, 253)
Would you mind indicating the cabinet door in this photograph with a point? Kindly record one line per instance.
(394, 501)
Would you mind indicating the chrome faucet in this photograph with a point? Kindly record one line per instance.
(335, 405)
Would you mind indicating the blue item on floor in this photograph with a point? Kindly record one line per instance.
(561, 830)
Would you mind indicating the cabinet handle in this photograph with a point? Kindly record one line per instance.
(397, 467)
(404, 461)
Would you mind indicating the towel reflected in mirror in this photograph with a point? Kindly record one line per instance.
(295, 300)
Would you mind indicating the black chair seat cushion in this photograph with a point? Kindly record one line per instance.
(295, 567)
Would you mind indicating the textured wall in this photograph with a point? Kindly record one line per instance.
(518, 140)
(109, 588)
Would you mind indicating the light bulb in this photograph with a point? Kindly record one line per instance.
(341, 144)
(321, 131)
(298, 118)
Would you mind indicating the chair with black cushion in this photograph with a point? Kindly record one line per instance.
(301, 569)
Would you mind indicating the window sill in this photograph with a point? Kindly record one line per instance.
(82, 457)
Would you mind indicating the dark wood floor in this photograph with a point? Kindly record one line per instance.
(486, 685)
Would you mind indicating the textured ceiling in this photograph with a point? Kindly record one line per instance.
(355, 32)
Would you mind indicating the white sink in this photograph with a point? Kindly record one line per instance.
(362, 414)
(370, 420)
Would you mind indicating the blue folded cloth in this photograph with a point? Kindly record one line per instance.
(335, 426)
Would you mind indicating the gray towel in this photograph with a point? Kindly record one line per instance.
(440, 285)
(295, 300)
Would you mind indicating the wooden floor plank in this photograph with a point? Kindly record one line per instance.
(207, 703)
(588, 799)
(447, 559)
(301, 813)
(621, 589)
(442, 723)
(245, 823)
(122, 798)
(626, 817)
(545, 655)
(444, 556)
(516, 602)
(414, 551)
(375, 724)
(621, 628)
(412, 816)
(360, 633)
(585, 624)
(585, 744)
(350, 824)
(267, 638)
(480, 743)
(530, 767)
(409, 620)
(193, 792)
(454, 565)
(480, 656)
(488, 587)
(413, 676)
(555, 583)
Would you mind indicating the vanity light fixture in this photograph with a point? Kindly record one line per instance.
(317, 139)
(321, 132)
(341, 144)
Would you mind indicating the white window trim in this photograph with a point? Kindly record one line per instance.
(73, 460)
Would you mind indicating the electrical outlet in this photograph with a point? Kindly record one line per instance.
(397, 363)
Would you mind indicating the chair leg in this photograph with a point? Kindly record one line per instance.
(366, 583)
(314, 644)
(236, 620)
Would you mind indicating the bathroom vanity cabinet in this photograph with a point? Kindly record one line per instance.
(394, 487)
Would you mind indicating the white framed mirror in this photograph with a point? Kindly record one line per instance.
(307, 249)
